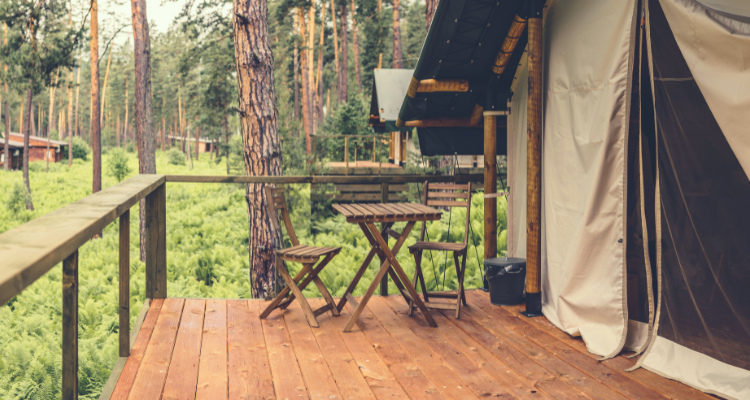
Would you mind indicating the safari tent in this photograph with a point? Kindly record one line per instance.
(626, 129)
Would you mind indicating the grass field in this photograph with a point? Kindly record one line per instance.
(207, 256)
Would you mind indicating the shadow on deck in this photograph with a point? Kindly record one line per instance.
(219, 349)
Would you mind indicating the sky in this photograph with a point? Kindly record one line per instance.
(161, 14)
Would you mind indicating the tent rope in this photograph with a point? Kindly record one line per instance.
(432, 260)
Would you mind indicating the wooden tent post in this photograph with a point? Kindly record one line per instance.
(490, 186)
(534, 165)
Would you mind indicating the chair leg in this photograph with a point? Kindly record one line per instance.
(326, 295)
(298, 294)
(460, 297)
(461, 280)
(417, 257)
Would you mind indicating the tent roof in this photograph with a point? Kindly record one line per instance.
(388, 90)
(462, 43)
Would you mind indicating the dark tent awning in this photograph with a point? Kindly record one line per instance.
(462, 45)
(388, 90)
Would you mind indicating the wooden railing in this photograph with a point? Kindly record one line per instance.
(29, 251)
(376, 147)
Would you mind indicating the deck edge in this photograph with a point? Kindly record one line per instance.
(109, 387)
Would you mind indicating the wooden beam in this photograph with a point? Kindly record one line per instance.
(490, 186)
(124, 310)
(358, 179)
(156, 244)
(70, 327)
(30, 250)
(443, 85)
(476, 115)
(534, 169)
(509, 44)
(459, 122)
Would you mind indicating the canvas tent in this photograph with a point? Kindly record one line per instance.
(645, 166)
(388, 90)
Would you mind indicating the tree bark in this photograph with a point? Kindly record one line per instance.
(104, 86)
(69, 130)
(430, 6)
(27, 116)
(356, 49)
(33, 124)
(7, 162)
(95, 111)
(313, 89)
(296, 68)
(319, 78)
(51, 122)
(260, 138)
(344, 71)
(335, 44)
(397, 61)
(306, 101)
(78, 90)
(197, 139)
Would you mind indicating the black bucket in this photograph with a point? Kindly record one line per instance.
(507, 278)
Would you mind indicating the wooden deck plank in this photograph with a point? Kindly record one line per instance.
(149, 382)
(127, 377)
(183, 367)
(350, 381)
(601, 372)
(287, 378)
(315, 371)
(379, 378)
(249, 369)
(667, 387)
(434, 368)
(518, 361)
(510, 379)
(476, 379)
(212, 371)
(571, 375)
(406, 372)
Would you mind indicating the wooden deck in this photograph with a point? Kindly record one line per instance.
(219, 349)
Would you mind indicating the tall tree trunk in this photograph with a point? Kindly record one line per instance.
(335, 45)
(78, 90)
(319, 78)
(7, 163)
(163, 129)
(430, 6)
(344, 71)
(95, 111)
(197, 139)
(306, 102)
(260, 136)
(29, 203)
(311, 66)
(380, 34)
(397, 61)
(225, 132)
(20, 118)
(104, 86)
(51, 122)
(127, 109)
(356, 48)
(39, 117)
(296, 68)
(69, 129)
(33, 123)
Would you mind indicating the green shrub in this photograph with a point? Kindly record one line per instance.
(117, 166)
(175, 157)
(130, 148)
(81, 149)
(16, 201)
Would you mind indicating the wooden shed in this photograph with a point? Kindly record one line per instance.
(38, 148)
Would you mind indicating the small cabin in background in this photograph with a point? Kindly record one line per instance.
(38, 150)
(204, 145)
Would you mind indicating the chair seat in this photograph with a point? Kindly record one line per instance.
(439, 246)
(304, 253)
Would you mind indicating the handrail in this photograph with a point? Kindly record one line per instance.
(32, 249)
(319, 179)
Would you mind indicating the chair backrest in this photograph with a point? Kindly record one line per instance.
(448, 195)
(276, 201)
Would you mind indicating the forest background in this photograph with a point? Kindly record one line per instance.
(194, 94)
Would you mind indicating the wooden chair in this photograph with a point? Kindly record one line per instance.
(444, 195)
(307, 255)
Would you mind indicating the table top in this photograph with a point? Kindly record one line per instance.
(387, 212)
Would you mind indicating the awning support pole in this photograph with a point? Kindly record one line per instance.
(490, 186)
(534, 164)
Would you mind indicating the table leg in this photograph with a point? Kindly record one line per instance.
(371, 231)
(364, 266)
(399, 271)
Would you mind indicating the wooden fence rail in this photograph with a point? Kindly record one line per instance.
(29, 251)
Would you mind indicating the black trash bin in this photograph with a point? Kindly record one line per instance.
(507, 277)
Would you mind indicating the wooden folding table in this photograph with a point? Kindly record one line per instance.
(366, 215)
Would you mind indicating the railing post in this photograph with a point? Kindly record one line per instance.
(384, 199)
(125, 284)
(70, 328)
(156, 244)
(346, 154)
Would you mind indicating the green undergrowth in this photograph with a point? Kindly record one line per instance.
(207, 257)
